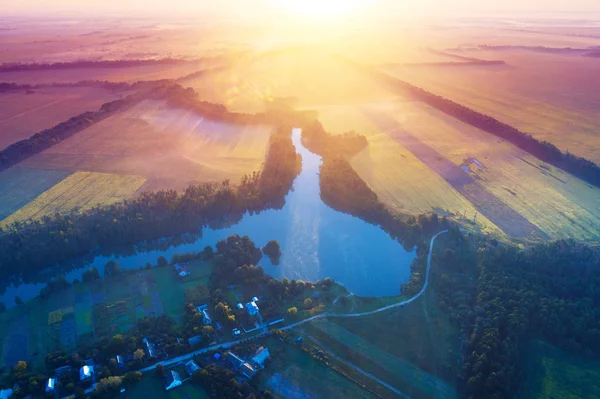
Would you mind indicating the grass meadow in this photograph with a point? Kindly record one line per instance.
(413, 349)
(551, 373)
(293, 373)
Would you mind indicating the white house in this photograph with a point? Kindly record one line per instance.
(240, 306)
(252, 308)
(50, 385)
(173, 380)
(86, 372)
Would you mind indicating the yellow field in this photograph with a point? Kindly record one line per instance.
(559, 105)
(170, 147)
(400, 180)
(411, 147)
(81, 191)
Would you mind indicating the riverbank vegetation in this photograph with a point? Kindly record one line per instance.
(33, 245)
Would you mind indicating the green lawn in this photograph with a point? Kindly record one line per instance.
(152, 387)
(550, 373)
(293, 373)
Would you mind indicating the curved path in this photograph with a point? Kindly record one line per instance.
(226, 345)
(394, 305)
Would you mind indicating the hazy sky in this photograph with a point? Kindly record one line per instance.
(249, 6)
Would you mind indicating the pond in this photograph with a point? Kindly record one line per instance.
(316, 242)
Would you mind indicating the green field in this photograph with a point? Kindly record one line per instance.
(550, 373)
(413, 349)
(152, 387)
(294, 373)
(99, 309)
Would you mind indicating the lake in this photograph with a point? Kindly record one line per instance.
(316, 242)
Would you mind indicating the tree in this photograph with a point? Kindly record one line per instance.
(308, 304)
(132, 378)
(162, 261)
(90, 275)
(208, 252)
(207, 330)
(20, 369)
(160, 370)
(18, 300)
(139, 354)
(108, 386)
(293, 311)
(112, 268)
(273, 251)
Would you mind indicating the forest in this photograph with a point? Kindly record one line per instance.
(548, 291)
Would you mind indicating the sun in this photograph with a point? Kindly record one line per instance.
(321, 8)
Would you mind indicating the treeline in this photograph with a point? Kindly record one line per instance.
(37, 143)
(344, 190)
(503, 297)
(28, 247)
(101, 84)
(13, 67)
(543, 150)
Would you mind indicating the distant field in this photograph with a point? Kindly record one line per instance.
(127, 75)
(413, 163)
(81, 191)
(22, 115)
(171, 148)
(152, 387)
(20, 185)
(553, 97)
(312, 77)
(552, 374)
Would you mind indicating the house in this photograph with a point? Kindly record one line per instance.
(254, 299)
(172, 380)
(86, 372)
(120, 361)
(6, 393)
(261, 355)
(206, 320)
(235, 360)
(240, 306)
(247, 370)
(195, 340)
(252, 308)
(217, 356)
(149, 348)
(50, 385)
(236, 332)
(191, 367)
